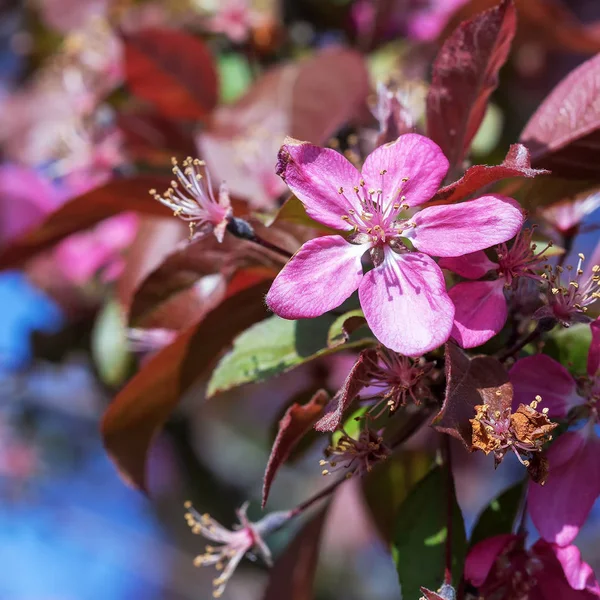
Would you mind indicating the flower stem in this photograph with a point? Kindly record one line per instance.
(318, 496)
(447, 457)
(530, 337)
(241, 229)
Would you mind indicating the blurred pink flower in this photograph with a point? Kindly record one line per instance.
(421, 20)
(191, 198)
(566, 216)
(573, 462)
(68, 15)
(481, 307)
(502, 567)
(25, 199)
(234, 18)
(372, 207)
(235, 544)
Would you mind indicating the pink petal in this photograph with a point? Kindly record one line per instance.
(471, 266)
(482, 557)
(593, 361)
(577, 572)
(457, 229)
(560, 507)
(319, 277)
(542, 375)
(316, 175)
(480, 311)
(406, 304)
(413, 156)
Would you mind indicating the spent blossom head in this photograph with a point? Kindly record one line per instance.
(191, 198)
(524, 432)
(234, 544)
(393, 380)
(375, 208)
(355, 456)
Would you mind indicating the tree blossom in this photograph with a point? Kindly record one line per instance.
(193, 200)
(573, 463)
(234, 545)
(235, 19)
(566, 216)
(568, 301)
(404, 296)
(481, 307)
(355, 456)
(502, 568)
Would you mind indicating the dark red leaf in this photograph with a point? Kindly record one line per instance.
(549, 23)
(173, 70)
(516, 164)
(292, 576)
(470, 382)
(465, 73)
(175, 292)
(295, 424)
(348, 392)
(117, 196)
(139, 411)
(151, 138)
(563, 134)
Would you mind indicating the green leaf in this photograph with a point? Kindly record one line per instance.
(352, 426)
(570, 347)
(276, 345)
(235, 76)
(499, 516)
(343, 328)
(293, 211)
(388, 485)
(419, 547)
(109, 345)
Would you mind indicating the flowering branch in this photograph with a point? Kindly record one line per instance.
(240, 228)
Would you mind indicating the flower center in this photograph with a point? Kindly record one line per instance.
(379, 216)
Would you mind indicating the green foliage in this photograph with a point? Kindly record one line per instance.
(570, 347)
(419, 546)
(109, 345)
(235, 76)
(276, 345)
(499, 516)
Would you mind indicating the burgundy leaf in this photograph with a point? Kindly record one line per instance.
(173, 70)
(470, 382)
(346, 394)
(516, 164)
(292, 576)
(465, 73)
(297, 421)
(563, 134)
(142, 407)
(117, 196)
(178, 286)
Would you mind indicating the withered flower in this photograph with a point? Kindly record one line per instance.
(524, 432)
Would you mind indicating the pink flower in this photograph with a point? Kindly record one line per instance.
(569, 295)
(235, 19)
(573, 463)
(194, 202)
(25, 199)
(481, 308)
(566, 216)
(234, 545)
(502, 568)
(404, 296)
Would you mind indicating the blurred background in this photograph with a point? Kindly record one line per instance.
(70, 529)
